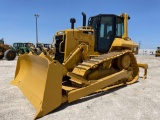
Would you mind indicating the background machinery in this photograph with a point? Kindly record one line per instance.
(47, 49)
(1, 41)
(6, 51)
(87, 60)
(22, 48)
(43, 47)
(157, 53)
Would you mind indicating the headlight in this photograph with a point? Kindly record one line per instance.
(60, 32)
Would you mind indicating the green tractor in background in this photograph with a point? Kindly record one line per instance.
(18, 47)
(28, 47)
(22, 48)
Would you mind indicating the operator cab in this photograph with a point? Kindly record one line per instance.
(106, 27)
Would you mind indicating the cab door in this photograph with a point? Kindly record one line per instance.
(106, 34)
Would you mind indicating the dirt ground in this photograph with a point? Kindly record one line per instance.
(139, 101)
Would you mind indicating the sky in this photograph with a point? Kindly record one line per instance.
(18, 23)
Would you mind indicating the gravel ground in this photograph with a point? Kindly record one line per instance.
(139, 101)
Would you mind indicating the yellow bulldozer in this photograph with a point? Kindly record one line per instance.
(47, 49)
(157, 53)
(88, 59)
(6, 51)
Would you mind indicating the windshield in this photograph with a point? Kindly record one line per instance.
(18, 45)
(108, 23)
(93, 22)
(106, 26)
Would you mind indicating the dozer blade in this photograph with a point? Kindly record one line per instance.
(40, 80)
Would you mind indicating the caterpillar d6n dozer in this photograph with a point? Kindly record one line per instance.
(88, 59)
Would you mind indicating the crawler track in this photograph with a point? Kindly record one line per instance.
(85, 67)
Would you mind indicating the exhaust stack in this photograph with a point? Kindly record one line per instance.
(84, 19)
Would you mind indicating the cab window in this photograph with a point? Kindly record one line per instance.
(119, 27)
